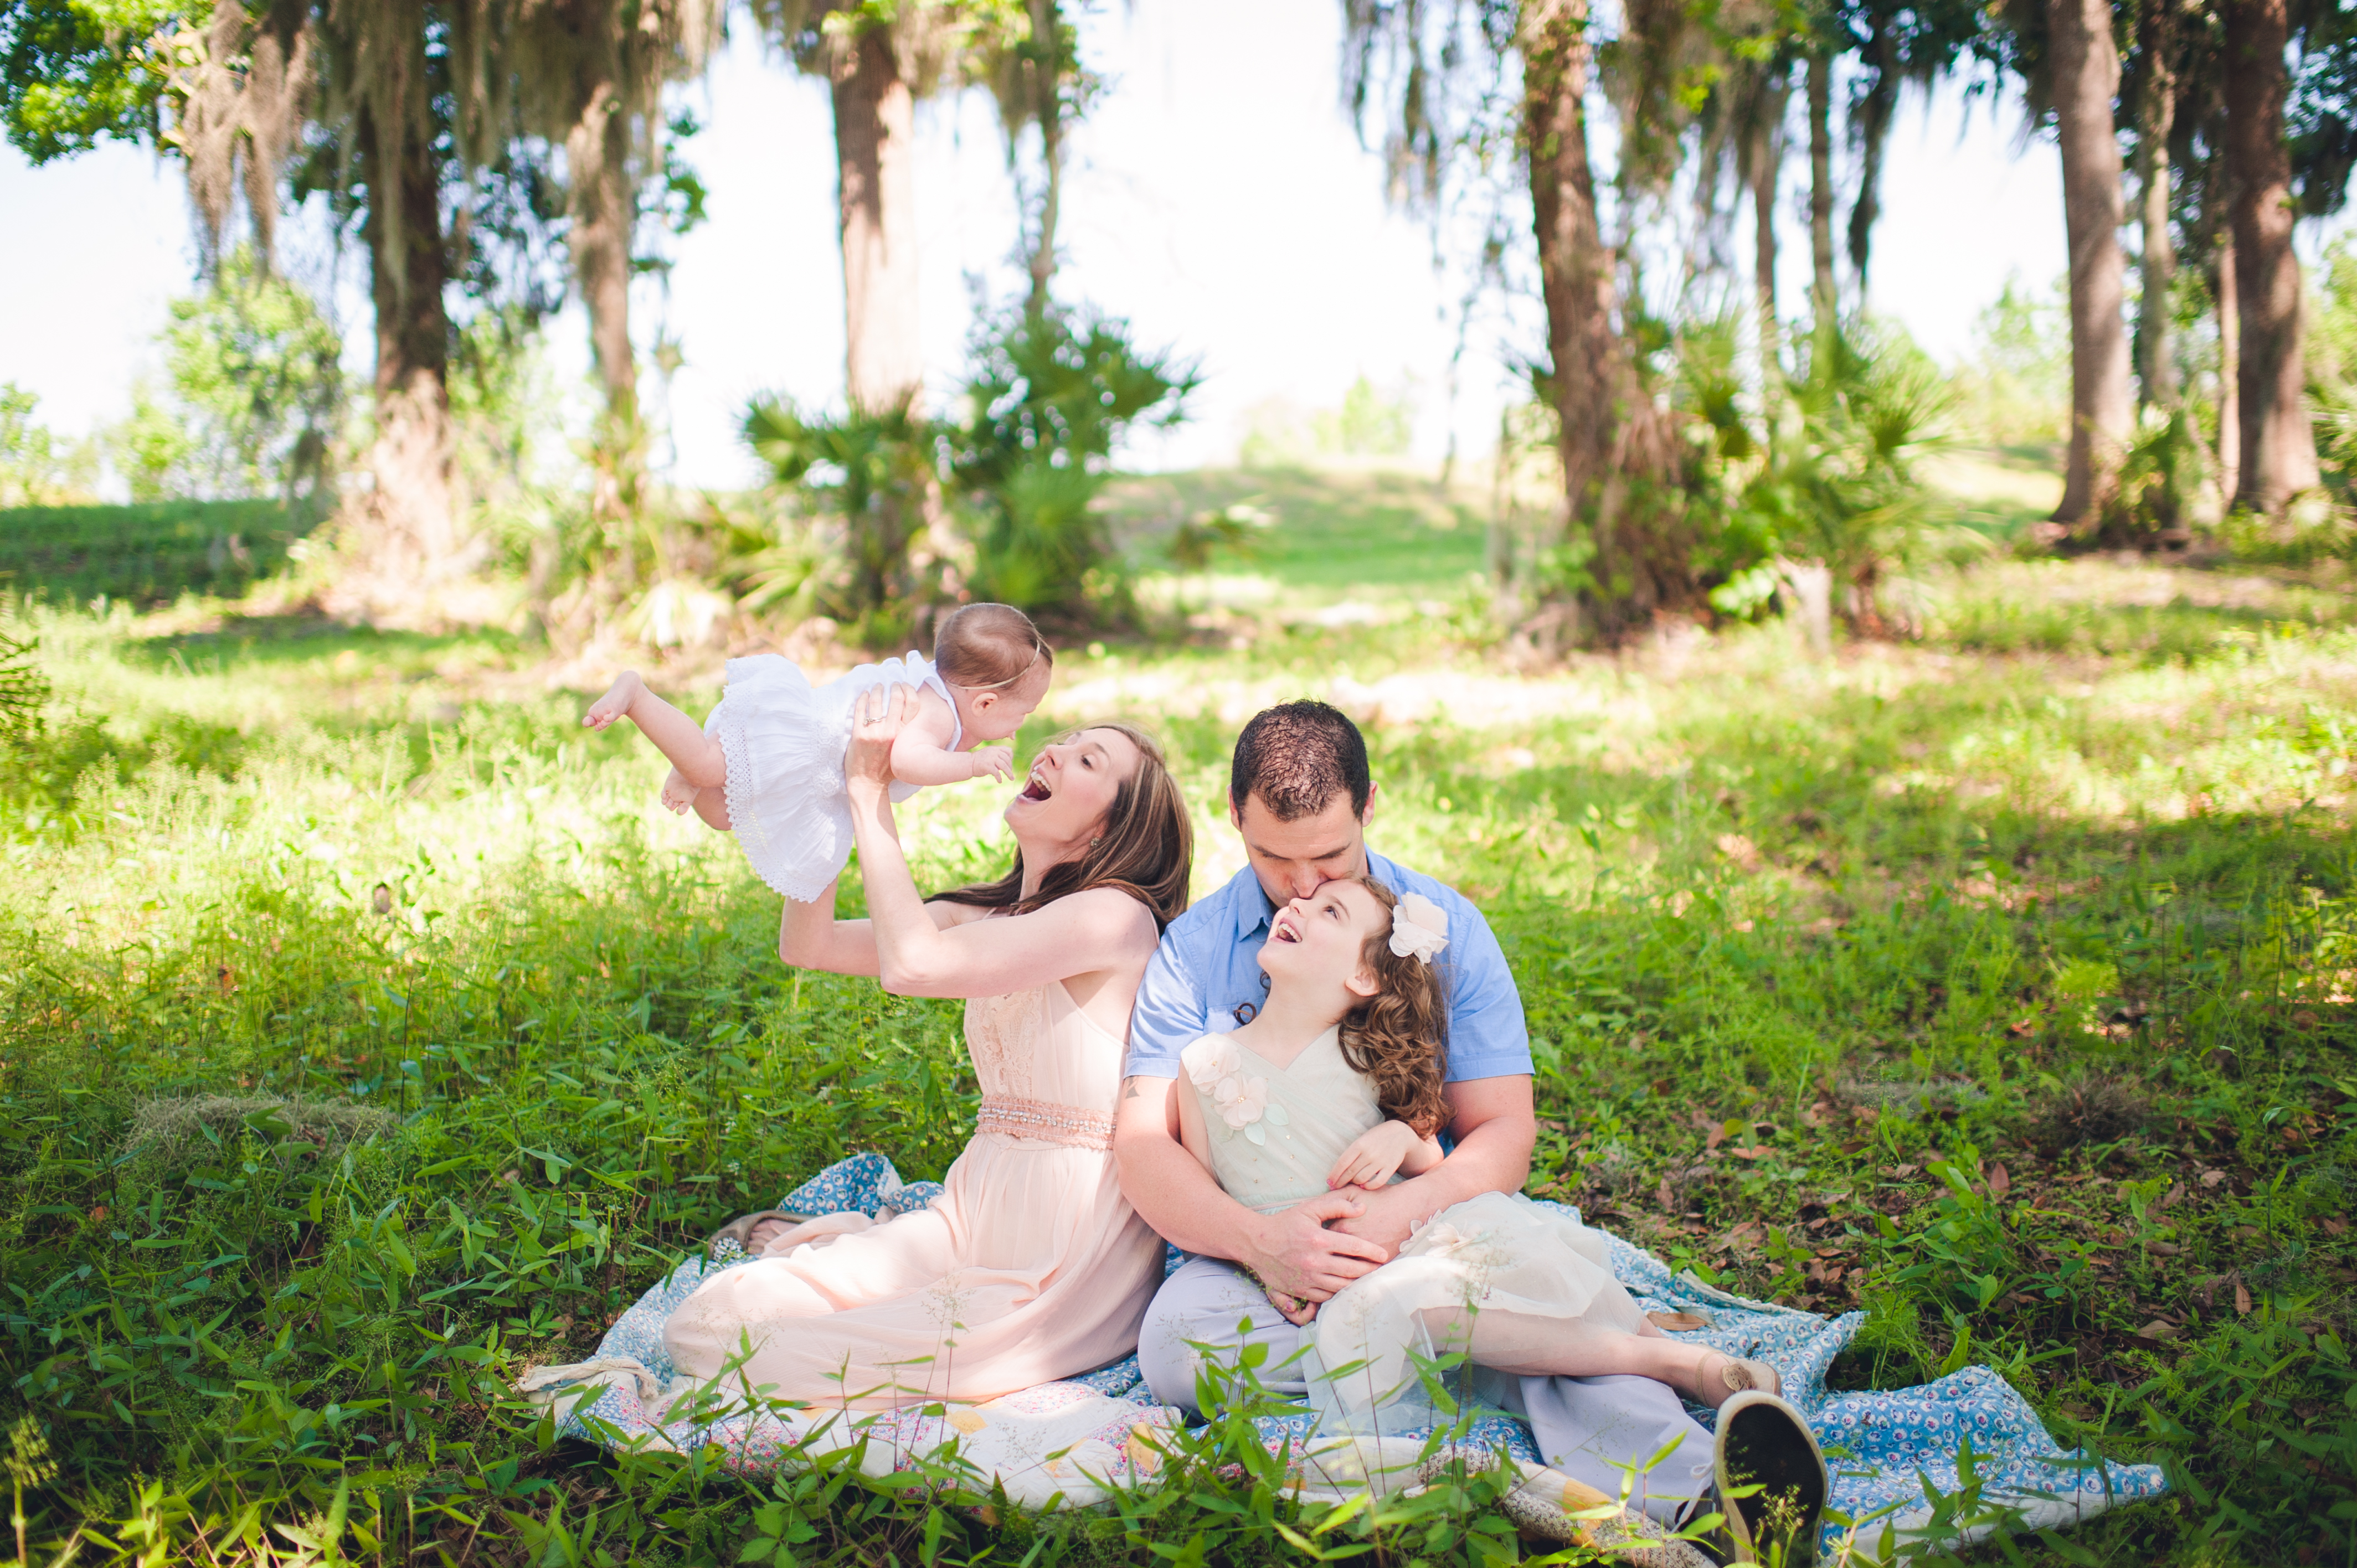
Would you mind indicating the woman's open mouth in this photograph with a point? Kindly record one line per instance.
(1283, 930)
(1036, 790)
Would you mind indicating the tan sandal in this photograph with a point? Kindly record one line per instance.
(1737, 1375)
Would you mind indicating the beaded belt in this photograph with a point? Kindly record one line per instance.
(1047, 1121)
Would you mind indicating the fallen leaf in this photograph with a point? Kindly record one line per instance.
(2159, 1328)
(2174, 1194)
(2242, 1298)
(1679, 1322)
(1662, 1195)
(2334, 1227)
(1852, 1147)
(98, 1216)
(1757, 1152)
(1901, 1172)
(2000, 1182)
(1715, 1136)
(2163, 1248)
(2211, 1178)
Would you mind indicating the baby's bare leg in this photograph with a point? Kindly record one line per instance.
(712, 805)
(696, 755)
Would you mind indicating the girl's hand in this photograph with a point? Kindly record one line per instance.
(875, 724)
(1370, 1161)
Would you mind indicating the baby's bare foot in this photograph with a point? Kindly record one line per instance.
(677, 793)
(616, 703)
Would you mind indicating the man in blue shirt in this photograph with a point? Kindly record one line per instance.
(1300, 795)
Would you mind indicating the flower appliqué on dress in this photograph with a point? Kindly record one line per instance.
(1217, 1070)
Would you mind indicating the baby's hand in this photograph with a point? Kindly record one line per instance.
(1370, 1161)
(993, 761)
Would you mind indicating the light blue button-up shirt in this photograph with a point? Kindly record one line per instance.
(1206, 979)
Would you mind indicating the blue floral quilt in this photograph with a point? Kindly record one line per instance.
(1957, 1458)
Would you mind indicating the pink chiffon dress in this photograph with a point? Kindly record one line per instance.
(1030, 1266)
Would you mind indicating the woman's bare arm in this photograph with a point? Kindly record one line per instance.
(810, 937)
(1081, 933)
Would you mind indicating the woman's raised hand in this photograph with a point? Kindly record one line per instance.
(875, 724)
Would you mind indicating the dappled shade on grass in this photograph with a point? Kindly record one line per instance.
(2001, 992)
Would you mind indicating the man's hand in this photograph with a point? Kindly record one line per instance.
(1301, 1252)
(1387, 1216)
(1494, 1129)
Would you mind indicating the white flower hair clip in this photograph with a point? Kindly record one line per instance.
(1419, 927)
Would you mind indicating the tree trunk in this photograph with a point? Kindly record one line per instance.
(408, 536)
(2156, 323)
(2230, 374)
(600, 244)
(1048, 23)
(2085, 77)
(875, 146)
(1766, 156)
(1610, 433)
(1824, 297)
(1871, 125)
(2278, 443)
(597, 161)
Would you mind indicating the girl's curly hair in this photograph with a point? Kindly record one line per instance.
(1399, 1037)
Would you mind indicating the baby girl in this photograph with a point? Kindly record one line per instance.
(767, 763)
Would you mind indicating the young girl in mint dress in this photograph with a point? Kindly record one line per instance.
(1335, 1083)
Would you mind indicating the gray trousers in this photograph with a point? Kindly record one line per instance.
(1595, 1430)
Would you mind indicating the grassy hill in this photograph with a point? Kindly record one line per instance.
(145, 555)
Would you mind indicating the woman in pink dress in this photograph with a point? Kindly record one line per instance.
(1030, 1266)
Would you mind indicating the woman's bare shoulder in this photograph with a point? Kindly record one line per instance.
(1115, 908)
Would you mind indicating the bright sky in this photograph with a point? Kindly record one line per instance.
(1217, 198)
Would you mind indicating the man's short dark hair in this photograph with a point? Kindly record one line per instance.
(1296, 757)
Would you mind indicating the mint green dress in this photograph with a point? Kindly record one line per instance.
(1496, 1278)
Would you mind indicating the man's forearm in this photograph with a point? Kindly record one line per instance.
(1493, 1157)
(1173, 1192)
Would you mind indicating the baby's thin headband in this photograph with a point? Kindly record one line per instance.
(1038, 647)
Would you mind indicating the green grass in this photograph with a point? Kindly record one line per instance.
(146, 554)
(1997, 984)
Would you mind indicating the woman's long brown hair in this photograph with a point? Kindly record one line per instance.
(1399, 1037)
(1145, 847)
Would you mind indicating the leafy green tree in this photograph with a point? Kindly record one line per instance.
(1629, 553)
(74, 73)
(254, 400)
(1048, 397)
(869, 474)
(36, 468)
